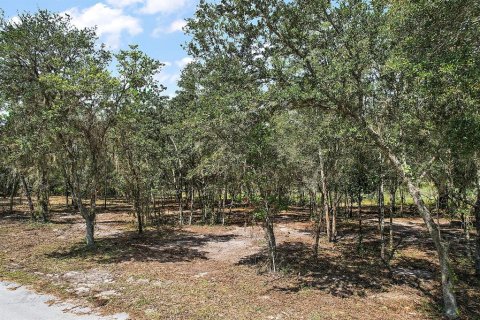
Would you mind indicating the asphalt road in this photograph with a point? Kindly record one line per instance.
(24, 304)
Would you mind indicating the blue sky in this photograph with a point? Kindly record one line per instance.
(155, 25)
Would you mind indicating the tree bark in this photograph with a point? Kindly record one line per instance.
(334, 206)
(13, 191)
(477, 226)
(318, 226)
(138, 212)
(381, 211)
(393, 191)
(450, 304)
(402, 201)
(325, 195)
(270, 235)
(442, 195)
(28, 195)
(86, 214)
(191, 206)
(43, 199)
(360, 231)
(90, 229)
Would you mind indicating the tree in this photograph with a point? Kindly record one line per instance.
(135, 145)
(332, 57)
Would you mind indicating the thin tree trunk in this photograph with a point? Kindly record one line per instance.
(180, 200)
(393, 191)
(139, 221)
(381, 209)
(138, 209)
(154, 204)
(28, 195)
(442, 195)
(477, 226)
(13, 191)
(224, 199)
(402, 201)
(105, 187)
(66, 194)
(390, 242)
(360, 231)
(350, 213)
(318, 228)
(325, 194)
(90, 220)
(192, 195)
(270, 235)
(334, 205)
(43, 198)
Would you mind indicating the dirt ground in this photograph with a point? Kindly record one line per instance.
(219, 272)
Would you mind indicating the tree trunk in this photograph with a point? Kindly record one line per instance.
(191, 206)
(105, 187)
(318, 228)
(180, 204)
(88, 215)
(28, 195)
(90, 228)
(390, 242)
(13, 191)
(43, 197)
(334, 206)
(325, 195)
(66, 195)
(270, 237)
(442, 196)
(140, 222)
(450, 304)
(402, 201)
(360, 231)
(381, 211)
(477, 227)
(393, 191)
(138, 211)
(350, 210)
(224, 199)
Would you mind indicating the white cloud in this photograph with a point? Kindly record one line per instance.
(110, 22)
(162, 6)
(167, 79)
(15, 20)
(175, 26)
(151, 6)
(183, 62)
(123, 3)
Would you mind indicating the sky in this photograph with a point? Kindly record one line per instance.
(155, 25)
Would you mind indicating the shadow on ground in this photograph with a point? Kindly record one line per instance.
(149, 246)
(347, 273)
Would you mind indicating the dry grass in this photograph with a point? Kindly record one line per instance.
(212, 272)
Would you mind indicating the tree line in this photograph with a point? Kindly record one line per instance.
(315, 102)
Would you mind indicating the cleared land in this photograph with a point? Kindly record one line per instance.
(212, 272)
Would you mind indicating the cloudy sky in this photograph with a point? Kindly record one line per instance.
(155, 25)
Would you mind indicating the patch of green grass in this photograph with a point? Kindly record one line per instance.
(316, 316)
(19, 276)
(141, 302)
